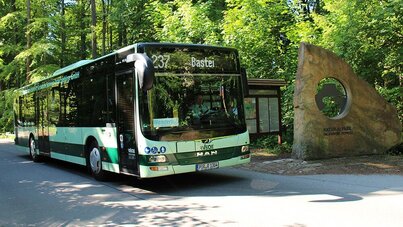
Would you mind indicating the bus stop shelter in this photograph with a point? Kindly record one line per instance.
(263, 107)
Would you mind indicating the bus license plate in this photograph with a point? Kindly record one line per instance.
(206, 166)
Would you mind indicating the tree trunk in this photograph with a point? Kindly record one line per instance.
(14, 9)
(81, 16)
(7, 84)
(110, 27)
(120, 34)
(93, 27)
(124, 36)
(63, 35)
(103, 27)
(28, 61)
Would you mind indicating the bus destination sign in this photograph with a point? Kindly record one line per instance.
(193, 60)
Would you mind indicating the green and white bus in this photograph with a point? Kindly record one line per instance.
(133, 111)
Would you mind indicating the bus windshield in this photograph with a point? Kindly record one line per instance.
(192, 106)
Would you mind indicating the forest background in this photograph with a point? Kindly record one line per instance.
(38, 37)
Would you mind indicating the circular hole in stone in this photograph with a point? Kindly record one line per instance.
(331, 97)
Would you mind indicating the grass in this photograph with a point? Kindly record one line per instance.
(269, 144)
(267, 148)
(6, 135)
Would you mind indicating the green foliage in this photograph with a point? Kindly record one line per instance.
(264, 142)
(267, 33)
(270, 144)
(186, 21)
(287, 111)
(394, 96)
(7, 135)
(396, 150)
(6, 104)
(257, 29)
(365, 33)
(132, 22)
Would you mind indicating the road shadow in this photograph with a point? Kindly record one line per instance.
(239, 182)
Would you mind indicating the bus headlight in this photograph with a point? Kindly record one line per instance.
(159, 168)
(157, 158)
(245, 148)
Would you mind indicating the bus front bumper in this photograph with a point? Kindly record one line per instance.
(157, 171)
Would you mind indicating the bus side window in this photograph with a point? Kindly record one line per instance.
(54, 110)
(111, 105)
(30, 109)
(68, 104)
(20, 108)
(85, 102)
(72, 103)
(94, 101)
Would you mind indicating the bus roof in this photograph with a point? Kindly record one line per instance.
(204, 46)
(82, 63)
(65, 69)
(78, 65)
(71, 67)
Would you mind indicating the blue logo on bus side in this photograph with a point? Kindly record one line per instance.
(147, 150)
(154, 150)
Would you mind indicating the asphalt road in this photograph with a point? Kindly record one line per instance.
(54, 193)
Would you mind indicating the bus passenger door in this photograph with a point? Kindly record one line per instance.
(128, 155)
(43, 123)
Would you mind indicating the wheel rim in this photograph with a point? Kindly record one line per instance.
(32, 148)
(95, 160)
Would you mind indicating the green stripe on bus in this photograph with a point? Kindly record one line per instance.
(67, 148)
(68, 158)
(112, 155)
(109, 154)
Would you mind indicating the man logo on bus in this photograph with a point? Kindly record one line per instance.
(206, 153)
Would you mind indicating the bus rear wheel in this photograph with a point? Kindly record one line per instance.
(32, 153)
(94, 162)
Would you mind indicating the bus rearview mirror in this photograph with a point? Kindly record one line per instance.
(145, 69)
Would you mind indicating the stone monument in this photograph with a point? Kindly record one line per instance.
(338, 114)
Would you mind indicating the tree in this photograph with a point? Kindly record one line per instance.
(186, 21)
(104, 23)
(258, 30)
(42, 49)
(62, 33)
(131, 23)
(267, 34)
(368, 35)
(28, 59)
(12, 42)
(93, 28)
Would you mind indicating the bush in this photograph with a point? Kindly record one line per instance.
(6, 136)
(394, 96)
(270, 144)
(6, 104)
(396, 150)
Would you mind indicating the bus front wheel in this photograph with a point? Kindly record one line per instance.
(94, 162)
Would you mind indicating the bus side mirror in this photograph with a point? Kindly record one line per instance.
(244, 80)
(145, 69)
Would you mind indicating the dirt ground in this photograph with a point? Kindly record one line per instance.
(364, 165)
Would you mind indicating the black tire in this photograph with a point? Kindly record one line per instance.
(94, 162)
(32, 146)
